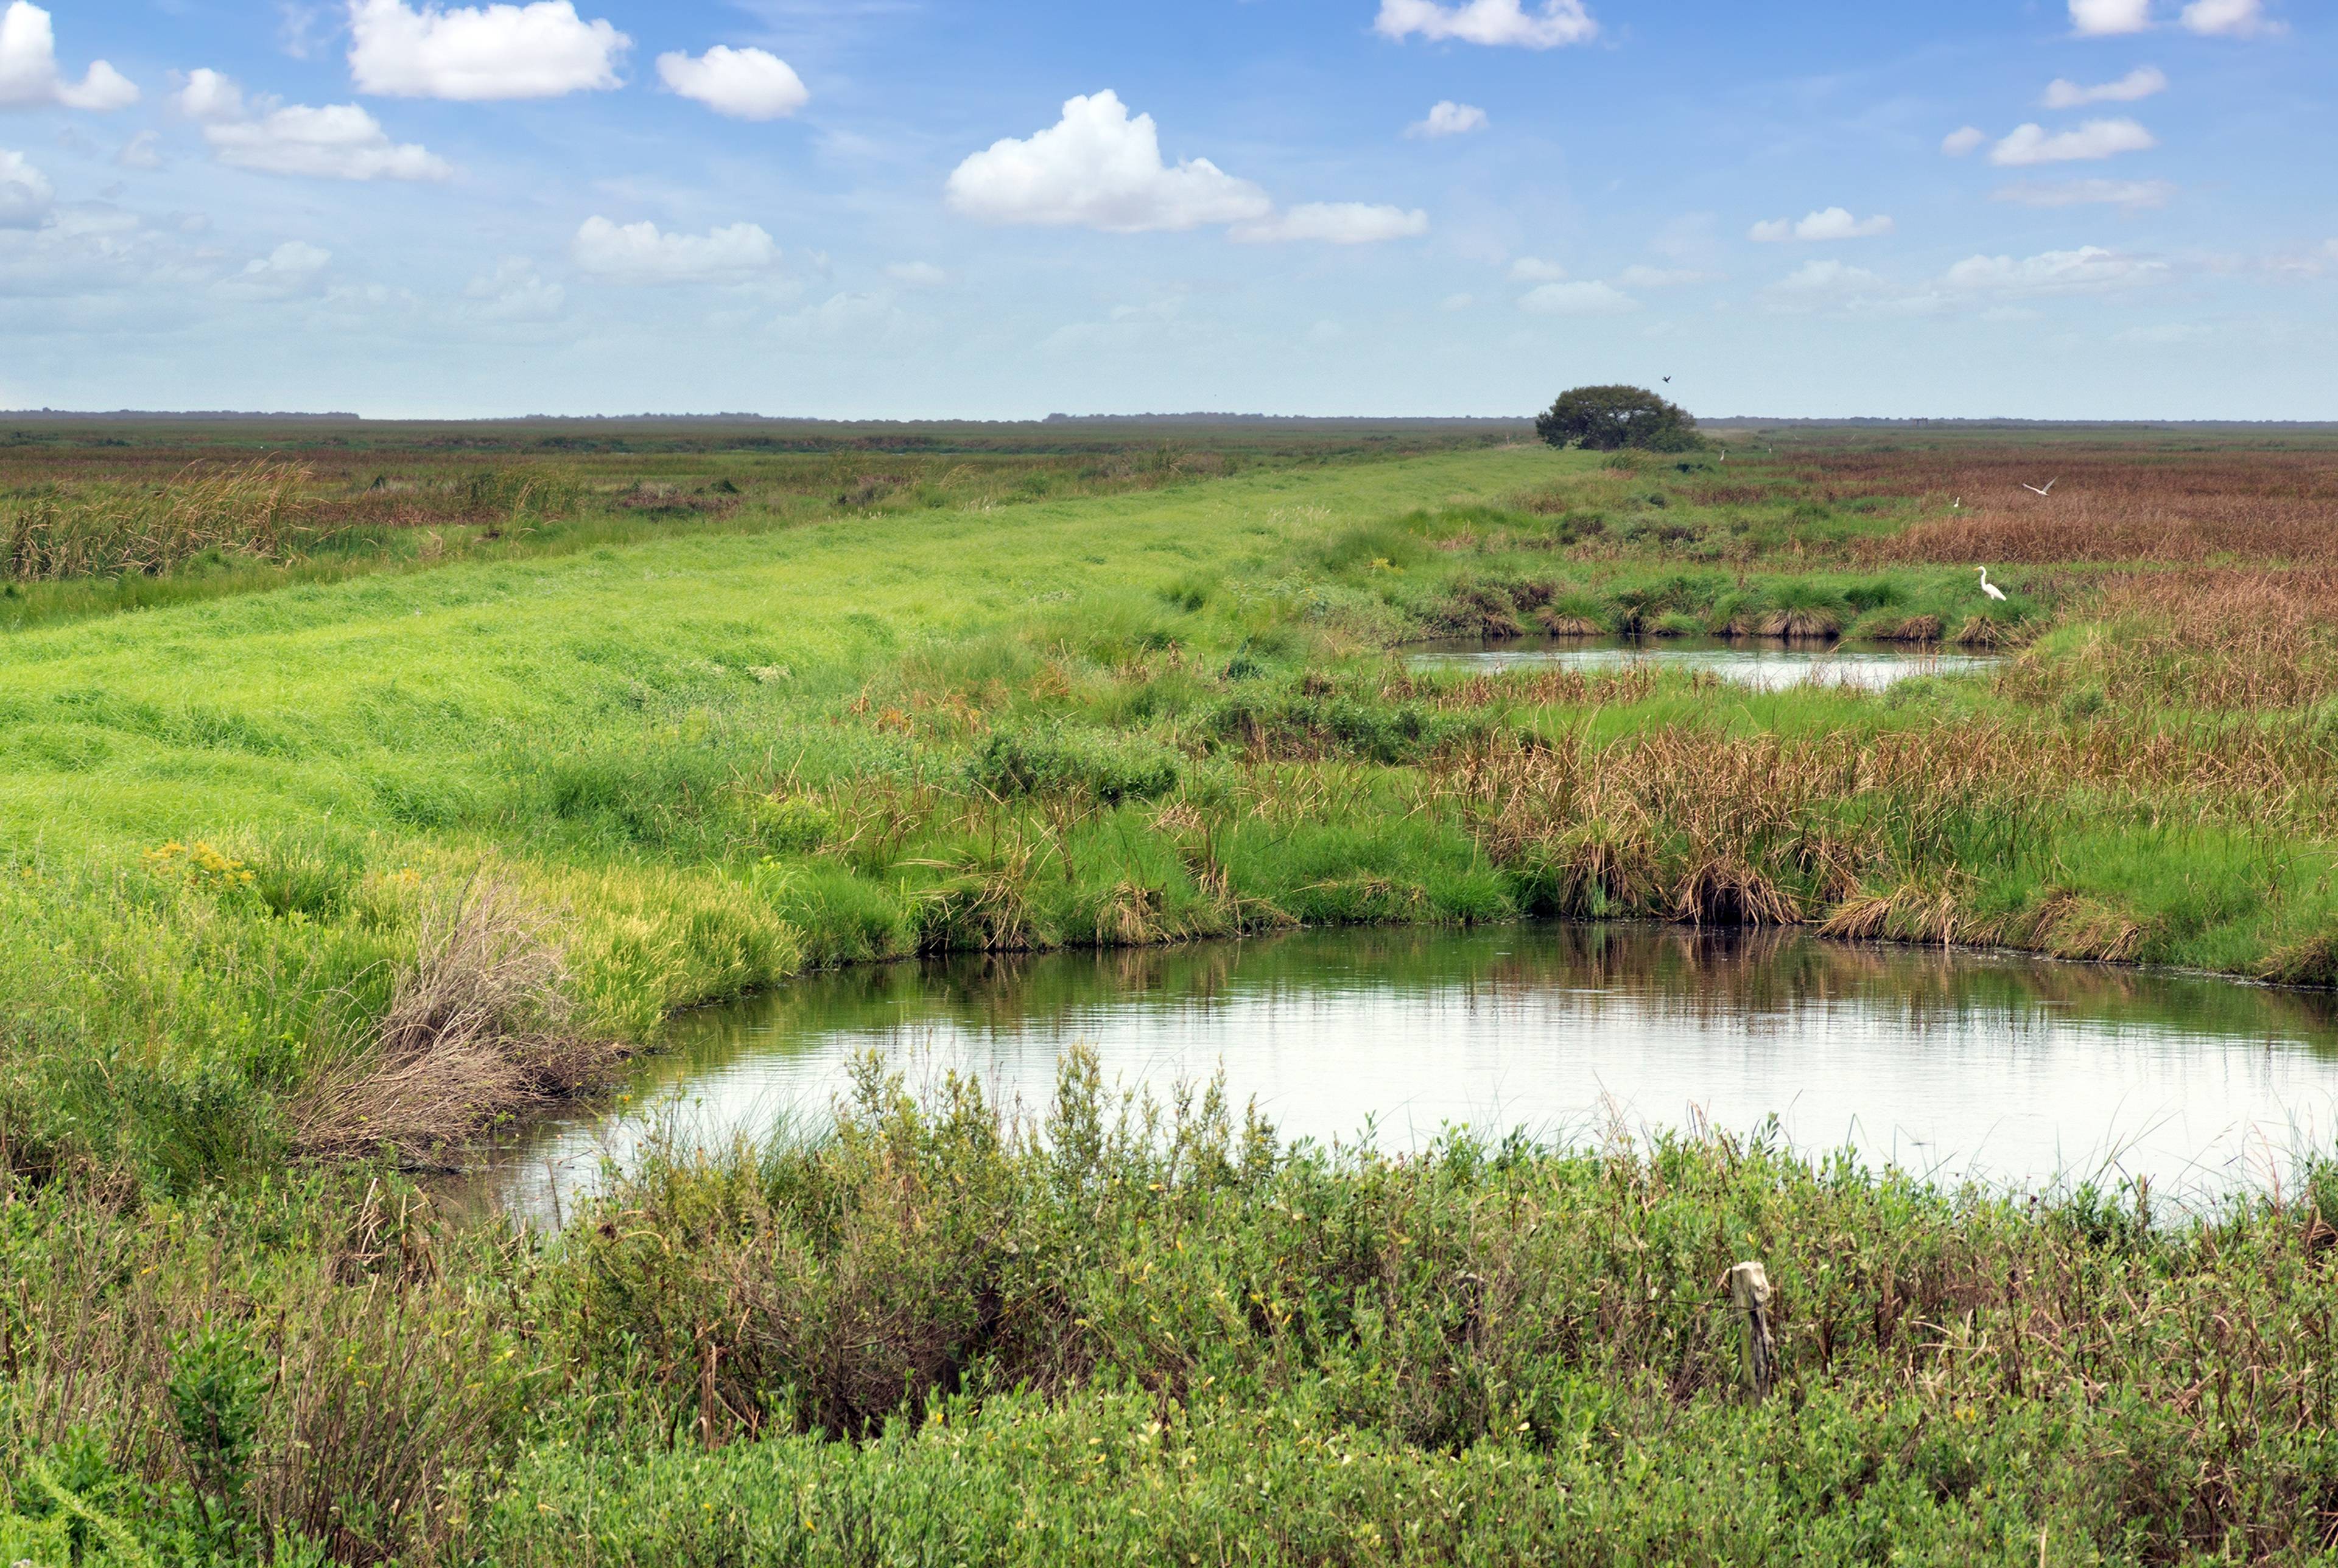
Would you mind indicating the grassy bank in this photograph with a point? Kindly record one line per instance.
(306, 870)
(1131, 1334)
(703, 763)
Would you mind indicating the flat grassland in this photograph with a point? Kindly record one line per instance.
(362, 787)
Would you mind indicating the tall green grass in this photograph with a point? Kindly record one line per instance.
(1131, 1330)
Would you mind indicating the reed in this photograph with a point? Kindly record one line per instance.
(259, 509)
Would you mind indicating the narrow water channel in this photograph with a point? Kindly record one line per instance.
(1947, 1063)
(1766, 665)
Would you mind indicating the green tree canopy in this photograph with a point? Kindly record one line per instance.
(1604, 418)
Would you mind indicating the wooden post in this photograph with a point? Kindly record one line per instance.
(1749, 1295)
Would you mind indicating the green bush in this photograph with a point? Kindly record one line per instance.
(1108, 766)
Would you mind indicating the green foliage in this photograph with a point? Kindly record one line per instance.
(1610, 418)
(523, 493)
(1301, 722)
(1108, 767)
(712, 751)
(217, 1379)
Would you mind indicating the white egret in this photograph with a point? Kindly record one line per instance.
(1989, 588)
(2048, 491)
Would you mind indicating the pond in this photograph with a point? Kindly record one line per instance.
(1768, 664)
(1955, 1063)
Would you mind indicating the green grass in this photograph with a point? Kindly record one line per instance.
(1145, 1334)
(527, 799)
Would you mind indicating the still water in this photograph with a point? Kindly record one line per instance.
(1768, 665)
(1952, 1064)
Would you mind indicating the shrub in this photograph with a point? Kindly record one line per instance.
(1310, 724)
(1112, 768)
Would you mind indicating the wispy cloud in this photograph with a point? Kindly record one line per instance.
(2089, 270)
(1449, 119)
(2143, 81)
(1497, 22)
(2229, 18)
(2130, 193)
(1585, 298)
(1834, 224)
(2096, 139)
(641, 253)
(1333, 223)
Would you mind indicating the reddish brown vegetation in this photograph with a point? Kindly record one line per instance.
(2226, 639)
(2108, 504)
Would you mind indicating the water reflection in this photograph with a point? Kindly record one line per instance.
(1768, 665)
(1960, 1063)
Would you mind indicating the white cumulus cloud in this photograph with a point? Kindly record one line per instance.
(1584, 298)
(210, 97)
(337, 141)
(2137, 84)
(29, 77)
(2128, 193)
(743, 84)
(1834, 224)
(2108, 18)
(1335, 223)
(541, 50)
(25, 193)
(1448, 118)
(2090, 270)
(2096, 139)
(1554, 24)
(1535, 269)
(1099, 167)
(1957, 143)
(2228, 18)
(639, 253)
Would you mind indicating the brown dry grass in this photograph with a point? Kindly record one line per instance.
(2108, 505)
(259, 509)
(1846, 830)
(479, 1027)
(2228, 638)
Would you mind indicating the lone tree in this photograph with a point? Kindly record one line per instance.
(1605, 418)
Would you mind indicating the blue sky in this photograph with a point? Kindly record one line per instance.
(924, 208)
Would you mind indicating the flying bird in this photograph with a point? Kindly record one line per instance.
(1989, 588)
(1668, 380)
(2048, 491)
